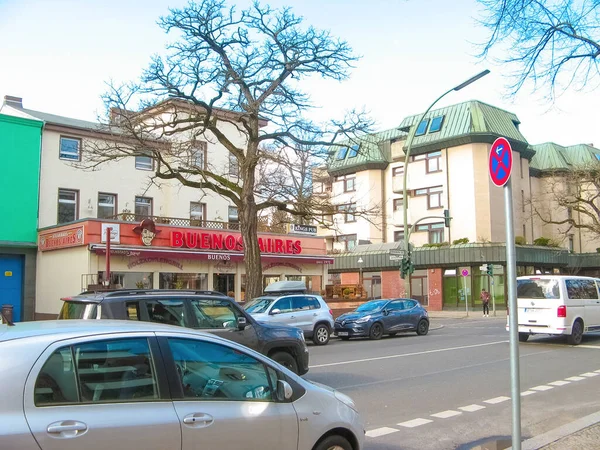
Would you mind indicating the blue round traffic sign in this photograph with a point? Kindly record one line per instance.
(501, 161)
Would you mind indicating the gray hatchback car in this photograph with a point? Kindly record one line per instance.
(287, 302)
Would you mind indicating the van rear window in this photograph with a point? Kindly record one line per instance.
(540, 288)
(78, 310)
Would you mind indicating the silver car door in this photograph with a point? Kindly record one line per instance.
(100, 394)
(305, 316)
(227, 397)
(284, 315)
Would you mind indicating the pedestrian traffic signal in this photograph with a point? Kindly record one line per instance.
(490, 270)
(447, 218)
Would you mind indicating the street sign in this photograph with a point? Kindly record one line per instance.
(483, 268)
(500, 162)
(395, 257)
(465, 273)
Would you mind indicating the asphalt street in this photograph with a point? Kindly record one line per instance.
(451, 388)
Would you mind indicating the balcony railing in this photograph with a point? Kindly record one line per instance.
(178, 221)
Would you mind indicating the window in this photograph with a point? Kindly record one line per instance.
(120, 370)
(436, 124)
(581, 289)
(409, 304)
(284, 305)
(398, 235)
(348, 211)
(350, 184)
(521, 166)
(233, 218)
(143, 207)
(524, 231)
(304, 303)
(171, 312)
(571, 244)
(522, 200)
(342, 153)
(353, 152)
(197, 213)
(435, 231)
(597, 155)
(433, 162)
(398, 171)
(422, 128)
(198, 155)
(434, 196)
(107, 205)
(70, 148)
(398, 204)
(396, 305)
(570, 213)
(210, 371)
(143, 162)
(234, 166)
(215, 313)
(349, 241)
(68, 205)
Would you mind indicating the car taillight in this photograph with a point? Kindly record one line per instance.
(331, 312)
(561, 311)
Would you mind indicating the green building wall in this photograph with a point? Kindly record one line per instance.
(19, 183)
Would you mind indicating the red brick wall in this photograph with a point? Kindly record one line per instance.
(391, 284)
(350, 278)
(435, 289)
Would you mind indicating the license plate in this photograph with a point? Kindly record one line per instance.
(530, 310)
(342, 333)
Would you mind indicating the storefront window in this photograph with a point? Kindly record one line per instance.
(129, 280)
(194, 281)
(225, 283)
(419, 286)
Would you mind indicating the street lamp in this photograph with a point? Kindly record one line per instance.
(411, 136)
(360, 278)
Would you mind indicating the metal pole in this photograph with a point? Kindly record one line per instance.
(466, 295)
(107, 275)
(511, 280)
(493, 299)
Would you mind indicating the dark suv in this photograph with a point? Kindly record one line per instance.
(202, 310)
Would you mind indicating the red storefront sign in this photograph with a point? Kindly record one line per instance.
(68, 237)
(212, 241)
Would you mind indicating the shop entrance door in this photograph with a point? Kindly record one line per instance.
(11, 283)
(225, 283)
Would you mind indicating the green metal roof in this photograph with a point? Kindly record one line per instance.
(373, 153)
(551, 156)
(468, 122)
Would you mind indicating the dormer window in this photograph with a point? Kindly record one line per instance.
(342, 153)
(422, 128)
(436, 124)
(353, 151)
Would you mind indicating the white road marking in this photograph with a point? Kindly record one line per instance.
(559, 383)
(415, 423)
(590, 374)
(493, 401)
(526, 393)
(471, 408)
(379, 358)
(543, 387)
(575, 378)
(597, 371)
(597, 347)
(446, 414)
(380, 432)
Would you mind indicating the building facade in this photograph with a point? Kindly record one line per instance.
(448, 170)
(20, 146)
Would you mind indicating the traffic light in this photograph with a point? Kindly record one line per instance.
(406, 267)
(447, 218)
(490, 270)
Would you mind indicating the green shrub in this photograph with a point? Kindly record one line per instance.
(460, 241)
(541, 241)
(520, 240)
(436, 245)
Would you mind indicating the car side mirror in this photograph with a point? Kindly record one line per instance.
(241, 323)
(284, 390)
(275, 312)
(386, 312)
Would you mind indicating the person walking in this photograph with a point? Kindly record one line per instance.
(485, 300)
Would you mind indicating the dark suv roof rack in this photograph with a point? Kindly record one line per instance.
(120, 292)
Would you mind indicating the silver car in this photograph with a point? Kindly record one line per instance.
(116, 384)
(286, 302)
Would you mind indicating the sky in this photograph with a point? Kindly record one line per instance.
(58, 55)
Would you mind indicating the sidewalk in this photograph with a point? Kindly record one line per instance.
(500, 314)
(583, 434)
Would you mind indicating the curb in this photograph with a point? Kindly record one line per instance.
(551, 436)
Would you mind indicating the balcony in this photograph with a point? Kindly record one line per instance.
(181, 222)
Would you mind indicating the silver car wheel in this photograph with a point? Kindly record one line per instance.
(322, 334)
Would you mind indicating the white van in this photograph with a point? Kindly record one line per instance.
(557, 304)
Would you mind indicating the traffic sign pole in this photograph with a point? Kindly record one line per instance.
(511, 275)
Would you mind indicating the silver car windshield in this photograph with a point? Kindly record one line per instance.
(258, 305)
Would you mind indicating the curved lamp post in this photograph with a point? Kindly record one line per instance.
(411, 136)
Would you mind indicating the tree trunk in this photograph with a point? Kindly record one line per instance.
(249, 228)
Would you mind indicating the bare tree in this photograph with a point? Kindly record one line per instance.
(232, 78)
(571, 199)
(553, 43)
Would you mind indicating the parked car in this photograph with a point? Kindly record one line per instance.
(378, 317)
(203, 310)
(557, 304)
(286, 302)
(99, 384)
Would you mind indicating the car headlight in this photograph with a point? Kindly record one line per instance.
(364, 319)
(345, 400)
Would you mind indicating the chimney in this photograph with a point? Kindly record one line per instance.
(15, 102)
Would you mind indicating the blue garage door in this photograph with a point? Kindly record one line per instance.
(11, 283)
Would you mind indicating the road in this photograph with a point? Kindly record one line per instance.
(451, 388)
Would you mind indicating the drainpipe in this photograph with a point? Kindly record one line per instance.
(107, 274)
(448, 196)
